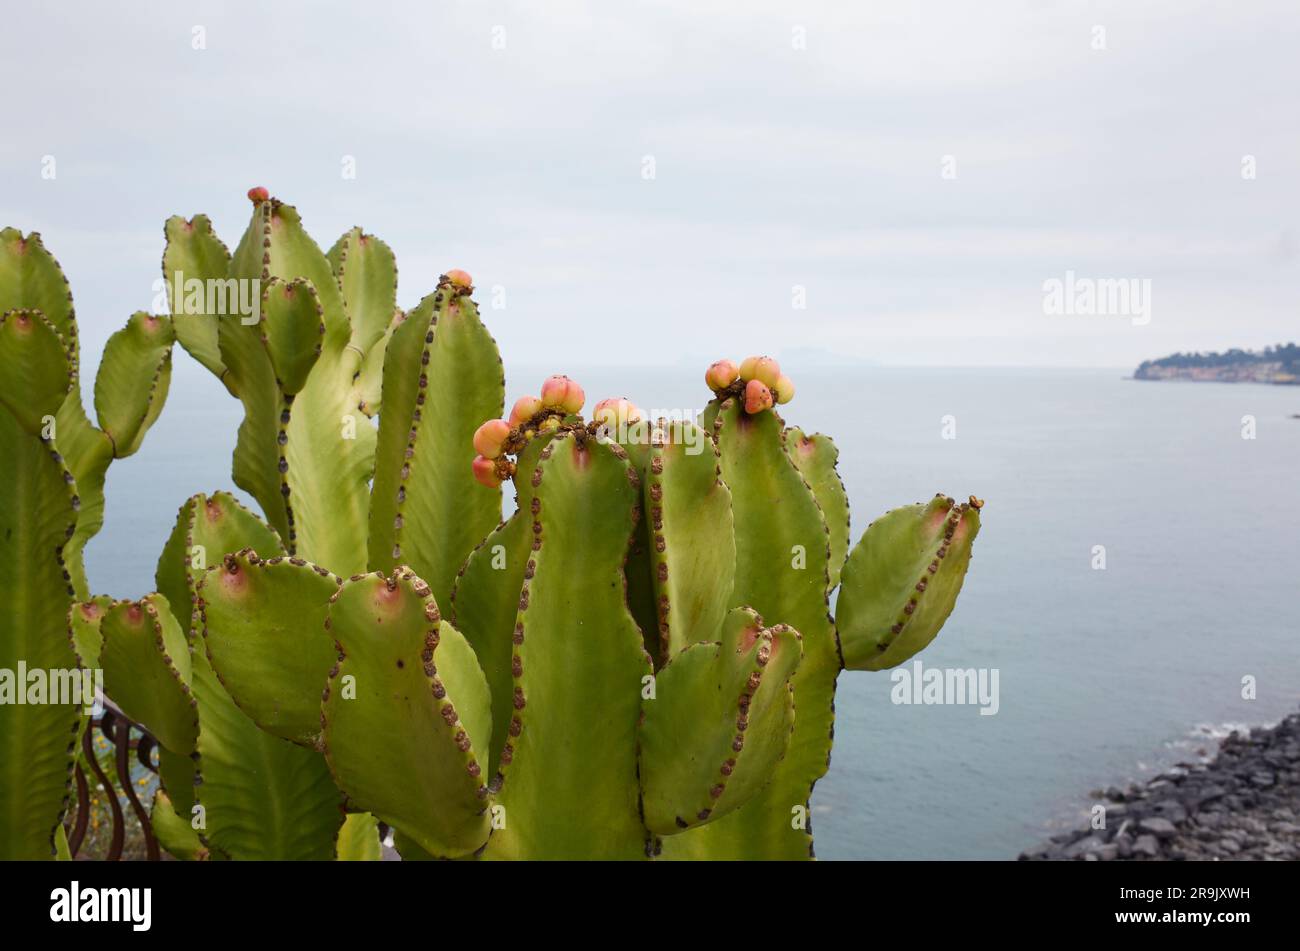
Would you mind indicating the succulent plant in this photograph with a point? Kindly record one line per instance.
(639, 661)
(51, 503)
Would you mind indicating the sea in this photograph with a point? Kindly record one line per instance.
(1134, 591)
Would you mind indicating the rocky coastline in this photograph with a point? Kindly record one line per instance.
(1276, 373)
(1243, 804)
(1278, 364)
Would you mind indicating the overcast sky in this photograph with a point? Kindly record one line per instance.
(793, 145)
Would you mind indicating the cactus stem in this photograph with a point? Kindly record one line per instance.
(951, 514)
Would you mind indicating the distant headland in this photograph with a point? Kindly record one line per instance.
(1279, 364)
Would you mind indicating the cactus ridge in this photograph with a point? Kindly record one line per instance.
(264, 796)
(145, 342)
(364, 268)
(35, 365)
(130, 385)
(286, 491)
(192, 248)
(426, 510)
(759, 471)
(484, 598)
(576, 649)
(700, 759)
(292, 326)
(262, 663)
(368, 383)
(29, 273)
(816, 458)
(414, 433)
(178, 551)
(175, 834)
(821, 502)
(905, 613)
(692, 549)
(84, 618)
(39, 510)
(312, 485)
(418, 685)
(38, 742)
(147, 670)
(902, 580)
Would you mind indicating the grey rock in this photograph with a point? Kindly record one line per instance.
(1210, 793)
(1170, 809)
(1146, 845)
(1160, 828)
(1084, 847)
(1244, 804)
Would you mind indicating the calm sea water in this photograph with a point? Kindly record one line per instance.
(1104, 675)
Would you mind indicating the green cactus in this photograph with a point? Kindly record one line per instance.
(273, 323)
(731, 705)
(640, 661)
(257, 795)
(130, 387)
(51, 504)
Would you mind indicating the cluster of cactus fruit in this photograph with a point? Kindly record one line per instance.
(639, 661)
(758, 382)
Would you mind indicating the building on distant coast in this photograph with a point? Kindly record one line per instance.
(1279, 364)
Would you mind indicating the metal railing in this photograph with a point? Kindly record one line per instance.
(117, 729)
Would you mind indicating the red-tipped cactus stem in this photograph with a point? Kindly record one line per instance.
(257, 194)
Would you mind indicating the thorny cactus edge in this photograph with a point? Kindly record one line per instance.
(635, 588)
(52, 473)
